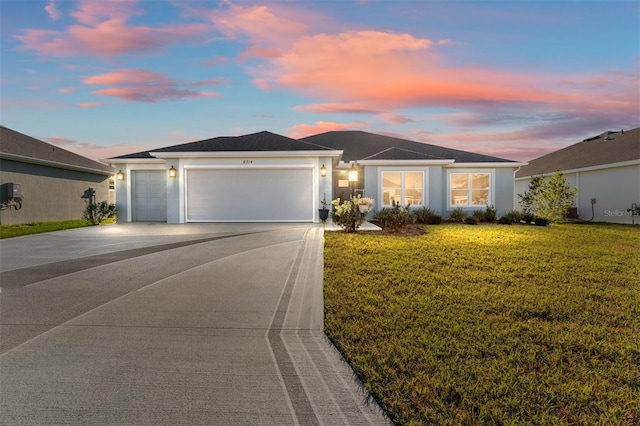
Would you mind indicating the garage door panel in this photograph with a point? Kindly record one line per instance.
(241, 195)
(149, 195)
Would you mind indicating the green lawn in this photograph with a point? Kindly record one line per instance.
(491, 324)
(9, 231)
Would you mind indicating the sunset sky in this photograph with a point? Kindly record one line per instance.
(515, 79)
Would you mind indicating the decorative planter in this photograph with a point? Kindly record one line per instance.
(364, 208)
(324, 214)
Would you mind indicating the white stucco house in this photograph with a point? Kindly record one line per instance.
(265, 177)
(605, 169)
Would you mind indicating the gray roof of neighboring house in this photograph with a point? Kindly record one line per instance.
(359, 145)
(606, 148)
(20, 147)
(261, 141)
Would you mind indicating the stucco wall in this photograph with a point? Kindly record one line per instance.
(614, 190)
(50, 194)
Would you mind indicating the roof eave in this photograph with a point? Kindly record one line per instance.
(48, 163)
(494, 164)
(585, 169)
(236, 154)
(438, 162)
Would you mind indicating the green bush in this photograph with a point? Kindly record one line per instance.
(426, 215)
(457, 215)
(505, 220)
(470, 220)
(395, 217)
(514, 215)
(95, 213)
(490, 214)
(478, 215)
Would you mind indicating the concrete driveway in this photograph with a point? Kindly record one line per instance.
(171, 324)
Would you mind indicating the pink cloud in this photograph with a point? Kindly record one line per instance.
(140, 85)
(266, 25)
(52, 10)
(103, 31)
(259, 52)
(302, 130)
(335, 108)
(67, 90)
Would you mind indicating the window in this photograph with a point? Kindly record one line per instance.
(402, 187)
(470, 189)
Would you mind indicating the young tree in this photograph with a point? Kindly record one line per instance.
(527, 200)
(554, 198)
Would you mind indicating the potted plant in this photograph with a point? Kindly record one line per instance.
(364, 204)
(324, 211)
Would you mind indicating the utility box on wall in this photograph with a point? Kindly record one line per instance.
(14, 190)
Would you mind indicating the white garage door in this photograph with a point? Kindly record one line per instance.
(149, 196)
(250, 195)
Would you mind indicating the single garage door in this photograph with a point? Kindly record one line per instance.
(283, 194)
(149, 196)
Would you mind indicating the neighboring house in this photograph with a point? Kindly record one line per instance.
(40, 182)
(273, 178)
(605, 169)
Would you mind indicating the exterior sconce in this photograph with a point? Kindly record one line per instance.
(120, 175)
(323, 171)
(173, 172)
(353, 173)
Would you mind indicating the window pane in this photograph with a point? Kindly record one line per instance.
(481, 181)
(391, 187)
(480, 197)
(459, 181)
(459, 197)
(391, 179)
(413, 197)
(413, 180)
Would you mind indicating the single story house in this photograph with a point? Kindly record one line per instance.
(40, 182)
(604, 168)
(265, 177)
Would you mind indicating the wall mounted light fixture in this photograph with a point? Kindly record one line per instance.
(173, 172)
(353, 173)
(323, 171)
(120, 175)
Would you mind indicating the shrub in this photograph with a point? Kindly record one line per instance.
(490, 214)
(541, 221)
(528, 217)
(457, 215)
(347, 214)
(395, 217)
(548, 199)
(95, 213)
(514, 215)
(478, 215)
(470, 220)
(424, 215)
(435, 220)
(505, 220)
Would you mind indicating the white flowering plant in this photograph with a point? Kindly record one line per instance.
(347, 214)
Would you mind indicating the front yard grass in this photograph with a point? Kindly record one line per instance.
(10, 231)
(491, 324)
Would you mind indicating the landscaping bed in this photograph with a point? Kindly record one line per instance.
(491, 324)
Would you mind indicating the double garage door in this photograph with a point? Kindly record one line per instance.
(278, 194)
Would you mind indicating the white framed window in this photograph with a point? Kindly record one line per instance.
(470, 189)
(404, 187)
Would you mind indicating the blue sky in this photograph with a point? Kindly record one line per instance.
(516, 79)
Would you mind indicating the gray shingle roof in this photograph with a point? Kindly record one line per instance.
(261, 141)
(20, 147)
(606, 148)
(358, 145)
(395, 153)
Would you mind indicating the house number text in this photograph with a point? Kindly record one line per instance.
(247, 161)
